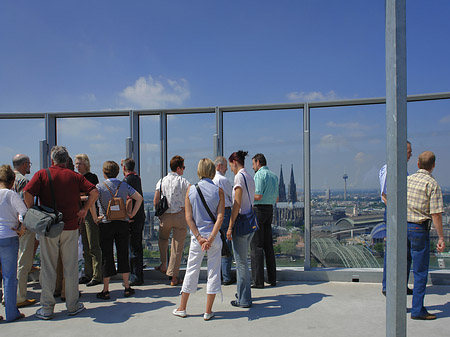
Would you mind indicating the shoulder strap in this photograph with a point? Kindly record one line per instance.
(213, 218)
(160, 189)
(112, 194)
(52, 190)
(250, 200)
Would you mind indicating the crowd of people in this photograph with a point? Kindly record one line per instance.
(109, 216)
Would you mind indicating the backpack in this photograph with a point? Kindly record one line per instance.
(116, 209)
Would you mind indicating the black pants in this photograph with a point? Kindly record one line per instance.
(114, 233)
(262, 245)
(136, 251)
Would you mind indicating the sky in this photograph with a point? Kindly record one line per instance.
(109, 55)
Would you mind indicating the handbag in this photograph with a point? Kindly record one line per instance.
(116, 207)
(246, 223)
(225, 249)
(43, 220)
(162, 204)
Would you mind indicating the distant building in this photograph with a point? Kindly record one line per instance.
(327, 194)
(292, 188)
(288, 212)
(281, 187)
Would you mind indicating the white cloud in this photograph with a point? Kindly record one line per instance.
(332, 141)
(151, 93)
(362, 158)
(350, 125)
(312, 96)
(89, 97)
(445, 119)
(149, 147)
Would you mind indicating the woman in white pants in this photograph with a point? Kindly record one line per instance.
(203, 237)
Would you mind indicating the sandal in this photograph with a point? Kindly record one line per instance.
(128, 292)
(103, 295)
(160, 269)
(177, 282)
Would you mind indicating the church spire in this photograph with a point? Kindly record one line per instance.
(292, 187)
(281, 188)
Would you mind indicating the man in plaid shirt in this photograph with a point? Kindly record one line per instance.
(425, 204)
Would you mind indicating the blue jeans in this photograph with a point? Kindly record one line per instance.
(9, 249)
(226, 261)
(408, 265)
(241, 245)
(419, 237)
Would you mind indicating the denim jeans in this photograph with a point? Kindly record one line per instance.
(240, 249)
(9, 248)
(226, 261)
(408, 265)
(419, 237)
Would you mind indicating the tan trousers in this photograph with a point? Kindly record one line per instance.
(177, 223)
(65, 244)
(24, 263)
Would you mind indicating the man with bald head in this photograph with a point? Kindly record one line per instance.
(425, 206)
(22, 166)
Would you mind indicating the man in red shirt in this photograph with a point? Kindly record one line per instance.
(67, 186)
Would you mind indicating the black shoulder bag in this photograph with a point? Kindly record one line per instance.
(162, 204)
(225, 249)
(43, 220)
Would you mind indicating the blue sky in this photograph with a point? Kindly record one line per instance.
(97, 55)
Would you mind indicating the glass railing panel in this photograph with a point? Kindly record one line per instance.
(347, 151)
(150, 172)
(429, 130)
(21, 136)
(190, 136)
(278, 134)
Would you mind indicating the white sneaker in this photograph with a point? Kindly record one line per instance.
(179, 313)
(81, 307)
(207, 317)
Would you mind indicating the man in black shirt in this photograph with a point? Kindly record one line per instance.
(136, 225)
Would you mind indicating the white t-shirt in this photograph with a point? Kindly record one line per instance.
(11, 207)
(246, 203)
(222, 182)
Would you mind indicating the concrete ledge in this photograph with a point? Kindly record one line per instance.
(366, 275)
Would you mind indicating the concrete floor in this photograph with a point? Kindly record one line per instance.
(290, 309)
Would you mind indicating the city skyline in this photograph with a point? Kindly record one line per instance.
(74, 57)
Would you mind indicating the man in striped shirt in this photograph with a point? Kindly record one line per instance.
(425, 205)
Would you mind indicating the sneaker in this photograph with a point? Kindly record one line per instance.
(42, 315)
(179, 313)
(236, 304)
(207, 317)
(92, 283)
(103, 295)
(81, 307)
(26, 303)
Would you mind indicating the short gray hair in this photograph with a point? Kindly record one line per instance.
(220, 160)
(20, 159)
(59, 154)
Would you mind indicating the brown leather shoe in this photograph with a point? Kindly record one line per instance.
(177, 281)
(26, 303)
(426, 317)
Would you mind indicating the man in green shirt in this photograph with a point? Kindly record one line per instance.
(266, 194)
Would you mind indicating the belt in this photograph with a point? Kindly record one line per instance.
(263, 206)
(227, 207)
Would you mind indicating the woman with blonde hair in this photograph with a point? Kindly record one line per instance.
(205, 207)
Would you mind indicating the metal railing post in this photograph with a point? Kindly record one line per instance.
(307, 184)
(396, 134)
